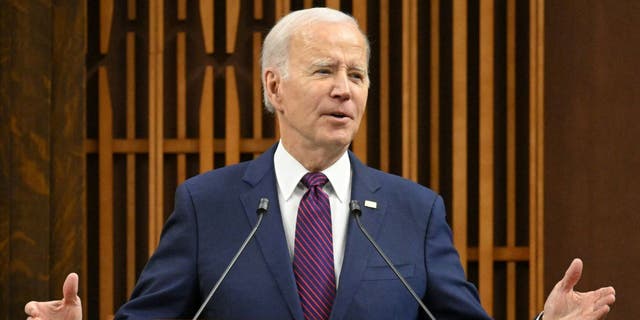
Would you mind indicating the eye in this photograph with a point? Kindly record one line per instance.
(357, 76)
(322, 71)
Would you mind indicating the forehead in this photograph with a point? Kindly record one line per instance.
(329, 40)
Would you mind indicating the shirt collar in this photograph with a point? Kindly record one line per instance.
(289, 172)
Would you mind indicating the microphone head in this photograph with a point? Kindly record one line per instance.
(354, 207)
(263, 205)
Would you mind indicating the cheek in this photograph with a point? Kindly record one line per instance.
(361, 101)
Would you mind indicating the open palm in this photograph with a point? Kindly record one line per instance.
(565, 303)
(69, 308)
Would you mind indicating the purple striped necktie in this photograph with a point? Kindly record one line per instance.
(313, 250)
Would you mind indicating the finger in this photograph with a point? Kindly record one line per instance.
(607, 299)
(572, 275)
(70, 288)
(606, 291)
(31, 308)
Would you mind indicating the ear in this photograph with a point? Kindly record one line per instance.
(272, 86)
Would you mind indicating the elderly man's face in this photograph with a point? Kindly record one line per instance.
(321, 101)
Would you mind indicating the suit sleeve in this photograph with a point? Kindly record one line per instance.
(168, 287)
(449, 295)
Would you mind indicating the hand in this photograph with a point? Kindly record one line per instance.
(69, 308)
(565, 303)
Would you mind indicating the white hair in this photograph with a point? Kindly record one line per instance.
(275, 50)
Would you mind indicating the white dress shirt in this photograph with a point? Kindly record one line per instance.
(290, 191)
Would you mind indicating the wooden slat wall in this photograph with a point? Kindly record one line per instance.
(201, 108)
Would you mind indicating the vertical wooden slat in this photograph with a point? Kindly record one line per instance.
(131, 163)
(232, 130)
(105, 167)
(206, 101)
(206, 121)
(258, 10)
(232, 122)
(406, 125)
(181, 108)
(153, 95)
(257, 87)
(459, 134)
(182, 9)
(486, 157)
(159, 83)
(207, 21)
(335, 4)
(307, 3)
(360, 141)
(511, 156)
(181, 92)
(131, 9)
(233, 13)
(412, 16)
(282, 8)
(106, 18)
(536, 154)
(434, 124)
(156, 103)
(384, 85)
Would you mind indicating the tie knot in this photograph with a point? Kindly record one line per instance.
(314, 179)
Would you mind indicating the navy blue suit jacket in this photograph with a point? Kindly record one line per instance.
(215, 211)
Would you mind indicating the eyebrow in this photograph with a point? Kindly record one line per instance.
(328, 62)
(324, 62)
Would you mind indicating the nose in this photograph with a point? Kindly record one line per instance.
(341, 89)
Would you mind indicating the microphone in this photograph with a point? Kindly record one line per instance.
(354, 207)
(263, 205)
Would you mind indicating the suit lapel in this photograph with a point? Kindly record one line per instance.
(270, 237)
(363, 187)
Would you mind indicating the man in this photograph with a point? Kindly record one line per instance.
(301, 264)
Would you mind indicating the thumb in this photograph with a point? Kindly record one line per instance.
(70, 289)
(572, 275)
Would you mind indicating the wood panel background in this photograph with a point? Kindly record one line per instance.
(173, 89)
(42, 156)
(593, 154)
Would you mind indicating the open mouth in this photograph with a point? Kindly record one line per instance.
(339, 115)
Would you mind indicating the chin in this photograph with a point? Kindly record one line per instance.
(342, 142)
(336, 138)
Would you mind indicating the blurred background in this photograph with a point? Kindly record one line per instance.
(522, 114)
